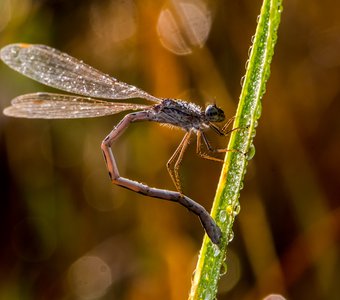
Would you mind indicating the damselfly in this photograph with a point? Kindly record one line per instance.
(59, 70)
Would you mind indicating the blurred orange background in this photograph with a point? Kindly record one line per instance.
(67, 233)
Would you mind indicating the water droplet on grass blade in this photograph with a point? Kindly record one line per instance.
(237, 209)
(230, 236)
(217, 250)
(242, 80)
(223, 216)
(258, 110)
(251, 152)
(224, 268)
(246, 64)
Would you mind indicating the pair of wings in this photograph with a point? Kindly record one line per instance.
(59, 70)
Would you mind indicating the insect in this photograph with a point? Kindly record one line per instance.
(59, 70)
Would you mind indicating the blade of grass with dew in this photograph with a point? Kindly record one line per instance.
(226, 204)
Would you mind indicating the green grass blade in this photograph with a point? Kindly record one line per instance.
(226, 204)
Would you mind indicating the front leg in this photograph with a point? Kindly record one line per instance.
(211, 228)
(220, 131)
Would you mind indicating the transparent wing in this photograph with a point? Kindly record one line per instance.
(58, 106)
(59, 70)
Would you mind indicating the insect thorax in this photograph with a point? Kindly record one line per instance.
(179, 113)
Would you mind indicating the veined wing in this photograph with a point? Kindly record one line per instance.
(58, 106)
(62, 71)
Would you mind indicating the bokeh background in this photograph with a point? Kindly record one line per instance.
(67, 233)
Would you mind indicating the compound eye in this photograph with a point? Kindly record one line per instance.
(214, 114)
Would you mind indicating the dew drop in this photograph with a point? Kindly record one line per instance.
(224, 268)
(251, 152)
(207, 296)
(246, 64)
(242, 80)
(193, 276)
(217, 250)
(253, 132)
(223, 215)
(230, 236)
(249, 50)
(258, 110)
(237, 208)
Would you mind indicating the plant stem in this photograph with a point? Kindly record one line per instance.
(226, 204)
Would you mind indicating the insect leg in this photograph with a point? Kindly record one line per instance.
(177, 158)
(201, 135)
(226, 125)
